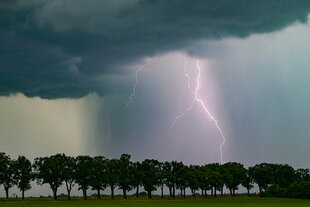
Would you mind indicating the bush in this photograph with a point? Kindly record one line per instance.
(299, 190)
(143, 193)
(276, 191)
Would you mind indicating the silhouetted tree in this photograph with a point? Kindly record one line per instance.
(151, 173)
(112, 174)
(23, 174)
(181, 180)
(6, 173)
(279, 180)
(216, 179)
(49, 170)
(235, 175)
(169, 177)
(248, 182)
(83, 176)
(137, 173)
(125, 177)
(303, 174)
(193, 178)
(161, 178)
(69, 173)
(283, 175)
(98, 174)
(262, 175)
(204, 180)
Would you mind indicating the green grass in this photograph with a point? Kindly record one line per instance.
(220, 202)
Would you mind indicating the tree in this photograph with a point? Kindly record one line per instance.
(69, 164)
(98, 174)
(169, 178)
(125, 177)
(204, 180)
(83, 176)
(262, 175)
(303, 174)
(215, 177)
(23, 174)
(161, 178)
(183, 180)
(180, 174)
(136, 172)
(150, 177)
(112, 175)
(248, 182)
(6, 172)
(193, 178)
(222, 171)
(174, 166)
(279, 180)
(235, 175)
(283, 175)
(49, 170)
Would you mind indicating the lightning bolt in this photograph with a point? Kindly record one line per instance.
(198, 99)
(203, 105)
(130, 101)
(180, 116)
(192, 103)
(186, 73)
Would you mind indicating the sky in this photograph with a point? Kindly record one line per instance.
(67, 70)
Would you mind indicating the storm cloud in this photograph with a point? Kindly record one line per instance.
(66, 48)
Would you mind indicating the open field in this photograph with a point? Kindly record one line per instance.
(221, 202)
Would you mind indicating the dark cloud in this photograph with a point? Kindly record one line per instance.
(59, 48)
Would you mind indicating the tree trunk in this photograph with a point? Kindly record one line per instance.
(98, 194)
(55, 193)
(260, 191)
(124, 194)
(234, 192)
(68, 190)
(173, 191)
(221, 191)
(69, 194)
(205, 193)
(112, 192)
(248, 192)
(137, 191)
(23, 194)
(162, 190)
(170, 191)
(193, 193)
(201, 192)
(214, 192)
(85, 193)
(149, 194)
(184, 196)
(181, 189)
(230, 191)
(54, 189)
(6, 192)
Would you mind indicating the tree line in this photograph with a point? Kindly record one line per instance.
(99, 173)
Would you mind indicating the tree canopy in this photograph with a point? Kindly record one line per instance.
(99, 173)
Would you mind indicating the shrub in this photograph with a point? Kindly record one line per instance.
(299, 190)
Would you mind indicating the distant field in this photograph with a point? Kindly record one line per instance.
(236, 202)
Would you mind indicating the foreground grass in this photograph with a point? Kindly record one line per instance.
(220, 202)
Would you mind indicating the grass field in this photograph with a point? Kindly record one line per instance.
(236, 202)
